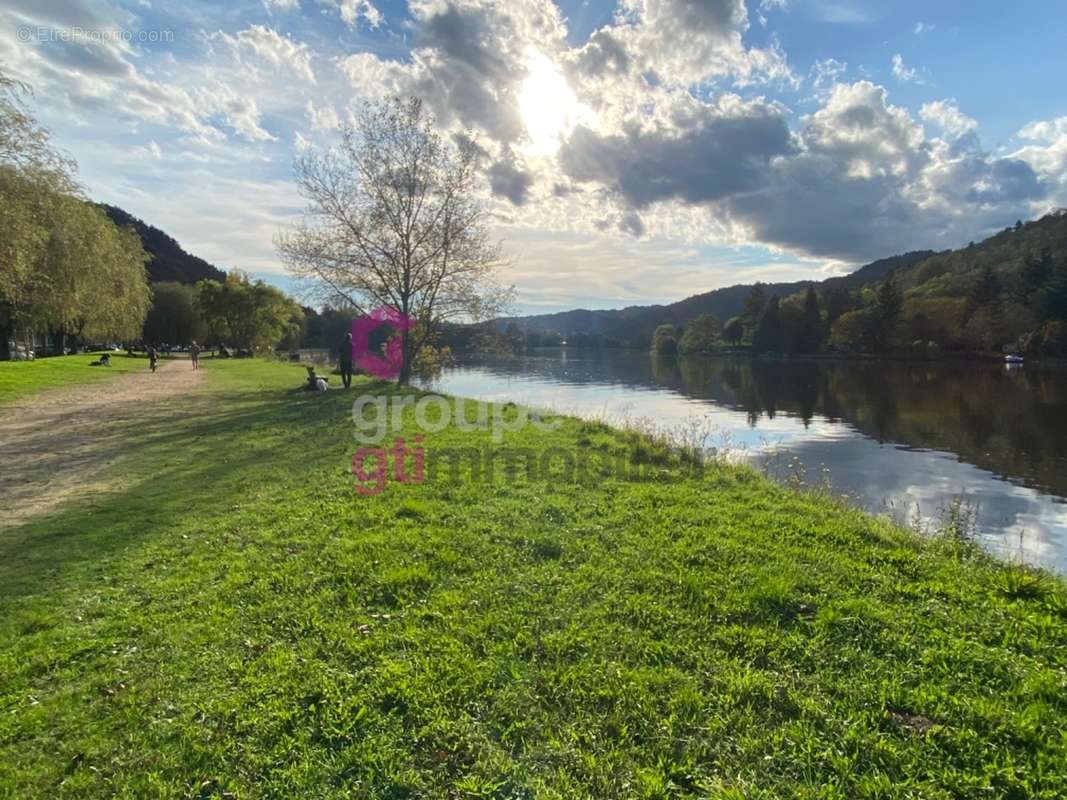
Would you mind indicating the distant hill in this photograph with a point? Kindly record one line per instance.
(954, 273)
(635, 324)
(169, 261)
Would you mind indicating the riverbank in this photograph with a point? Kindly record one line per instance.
(238, 619)
(744, 352)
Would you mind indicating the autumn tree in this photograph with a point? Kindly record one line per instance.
(396, 218)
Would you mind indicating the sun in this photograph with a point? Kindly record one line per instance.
(548, 105)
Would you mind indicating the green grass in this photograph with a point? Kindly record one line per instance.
(21, 378)
(239, 622)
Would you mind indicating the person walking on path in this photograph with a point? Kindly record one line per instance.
(344, 359)
(153, 358)
(194, 355)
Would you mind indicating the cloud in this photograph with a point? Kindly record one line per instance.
(719, 151)
(323, 118)
(1047, 154)
(678, 134)
(901, 72)
(470, 57)
(923, 27)
(685, 42)
(945, 115)
(866, 182)
(354, 11)
(508, 180)
(239, 112)
(266, 46)
(826, 72)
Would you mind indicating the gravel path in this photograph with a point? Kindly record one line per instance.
(58, 443)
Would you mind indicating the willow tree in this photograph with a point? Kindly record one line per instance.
(64, 266)
(93, 283)
(396, 219)
(33, 175)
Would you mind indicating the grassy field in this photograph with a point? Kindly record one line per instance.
(21, 378)
(239, 622)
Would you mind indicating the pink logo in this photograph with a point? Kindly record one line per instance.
(385, 366)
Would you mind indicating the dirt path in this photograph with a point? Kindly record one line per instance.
(58, 443)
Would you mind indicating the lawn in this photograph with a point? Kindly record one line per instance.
(21, 378)
(238, 621)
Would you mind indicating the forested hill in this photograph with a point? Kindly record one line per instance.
(635, 324)
(169, 261)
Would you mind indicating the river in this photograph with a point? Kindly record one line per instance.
(902, 438)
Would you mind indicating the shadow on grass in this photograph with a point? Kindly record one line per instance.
(193, 462)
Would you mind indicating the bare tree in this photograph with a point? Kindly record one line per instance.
(395, 219)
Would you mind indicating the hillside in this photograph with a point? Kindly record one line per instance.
(953, 273)
(169, 261)
(1007, 292)
(635, 324)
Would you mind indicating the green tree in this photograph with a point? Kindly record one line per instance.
(811, 332)
(96, 287)
(889, 303)
(1037, 269)
(1053, 297)
(986, 289)
(665, 340)
(734, 330)
(769, 334)
(174, 317)
(856, 330)
(755, 303)
(246, 314)
(515, 338)
(700, 335)
(838, 301)
(64, 267)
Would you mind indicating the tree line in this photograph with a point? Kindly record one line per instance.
(246, 314)
(68, 271)
(65, 269)
(1008, 294)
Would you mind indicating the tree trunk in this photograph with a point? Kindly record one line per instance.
(405, 364)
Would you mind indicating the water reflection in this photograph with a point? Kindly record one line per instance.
(901, 437)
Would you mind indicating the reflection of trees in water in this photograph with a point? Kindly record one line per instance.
(1008, 422)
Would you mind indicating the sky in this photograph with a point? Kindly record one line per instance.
(636, 152)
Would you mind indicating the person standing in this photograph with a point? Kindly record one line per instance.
(194, 355)
(153, 357)
(344, 360)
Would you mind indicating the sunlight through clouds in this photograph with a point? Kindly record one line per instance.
(668, 125)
